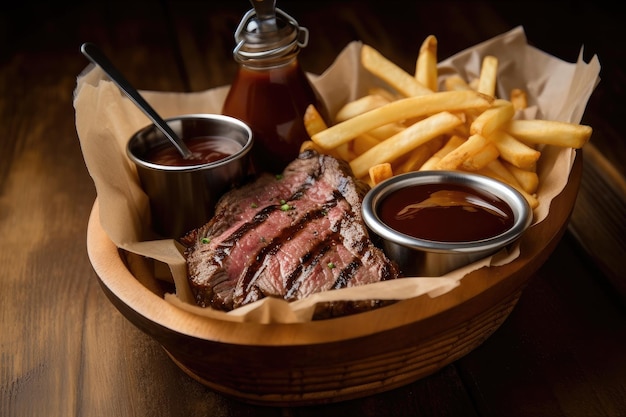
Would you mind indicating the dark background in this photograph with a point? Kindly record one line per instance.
(31, 31)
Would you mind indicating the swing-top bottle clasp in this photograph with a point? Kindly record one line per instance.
(254, 43)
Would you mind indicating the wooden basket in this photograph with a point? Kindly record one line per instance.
(337, 359)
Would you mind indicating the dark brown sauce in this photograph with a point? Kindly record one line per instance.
(205, 149)
(272, 102)
(446, 213)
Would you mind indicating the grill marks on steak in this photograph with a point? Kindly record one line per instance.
(288, 237)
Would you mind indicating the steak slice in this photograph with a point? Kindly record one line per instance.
(286, 236)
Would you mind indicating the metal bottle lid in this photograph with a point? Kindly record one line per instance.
(268, 37)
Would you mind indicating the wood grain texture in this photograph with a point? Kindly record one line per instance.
(65, 350)
(599, 219)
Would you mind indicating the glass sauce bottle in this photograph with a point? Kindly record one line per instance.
(270, 91)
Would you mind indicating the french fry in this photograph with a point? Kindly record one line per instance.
(386, 131)
(396, 77)
(488, 76)
(528, 180)
(426, 64)
(463, 129)
(469, 148)
(359, 106)
(363, 143)
(454, 142)
(519, 99)
(409, 125)
(363, 105)
(420, 155)
(449, 101)
(481, 159)
(491, 119)
(455, 82)
(514, 151)
(549, 132)
(497, 170)
(344, 152)
(380, 172)
(383, 92)
(405, 141)
(313, 121)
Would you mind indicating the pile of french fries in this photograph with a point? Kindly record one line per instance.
(414, 126)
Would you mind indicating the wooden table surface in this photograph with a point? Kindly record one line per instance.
(66, 351)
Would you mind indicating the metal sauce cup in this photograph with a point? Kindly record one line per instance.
(183, 197)
(428, 258)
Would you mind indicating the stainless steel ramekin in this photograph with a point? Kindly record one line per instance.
(184, 197)
(420, 257)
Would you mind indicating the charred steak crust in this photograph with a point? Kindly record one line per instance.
(286, 236)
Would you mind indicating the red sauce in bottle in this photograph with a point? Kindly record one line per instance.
(270, 91)
(204, 149)
(272, 102)
(446, 213)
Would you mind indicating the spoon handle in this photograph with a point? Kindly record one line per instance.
(97, 57)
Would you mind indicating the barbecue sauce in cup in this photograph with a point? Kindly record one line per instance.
(204, 150)
(446, 213)
(270, 91)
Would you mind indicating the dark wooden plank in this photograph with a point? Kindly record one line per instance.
(560, 352)
(599, 218)
(61, 340)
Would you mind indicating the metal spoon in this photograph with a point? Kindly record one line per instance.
(97, 57)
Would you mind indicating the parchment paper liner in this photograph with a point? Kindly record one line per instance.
(105, 120)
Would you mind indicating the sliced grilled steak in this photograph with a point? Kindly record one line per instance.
(288, 237)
